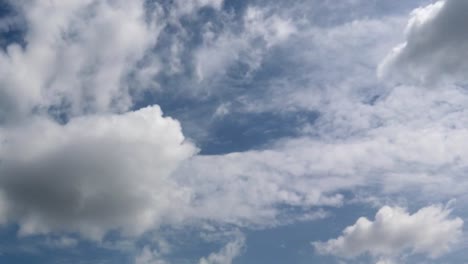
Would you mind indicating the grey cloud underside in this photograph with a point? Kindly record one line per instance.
(93, 174)
(436, 41)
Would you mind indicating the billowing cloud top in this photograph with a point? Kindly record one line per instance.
(436, 41)
(94, 174)
(430, 231)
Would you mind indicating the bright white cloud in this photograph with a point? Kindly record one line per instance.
(436, 40)
(94, 174)
(429, 231)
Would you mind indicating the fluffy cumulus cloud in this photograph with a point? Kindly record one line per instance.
(436, 40)
(94, 174)
(429, 231)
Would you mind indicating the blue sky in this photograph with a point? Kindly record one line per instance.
(233, 131)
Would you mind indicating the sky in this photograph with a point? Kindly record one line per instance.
(233, 131)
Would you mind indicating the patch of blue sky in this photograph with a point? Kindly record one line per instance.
(12, 28)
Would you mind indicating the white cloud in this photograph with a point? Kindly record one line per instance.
(94, 174)
(415, 159)
(228, 253)
(436, 40)
(319, 68)
(106, 171)
(220, 51)
(102, 170)
(429, 231)
(76, 56)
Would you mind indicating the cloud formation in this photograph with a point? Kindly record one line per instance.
(94, 174)
(83, 57)
(429, 231)
(436, 40)
(249, 188)
(152, 256)
(73, 158)
(219, 51)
